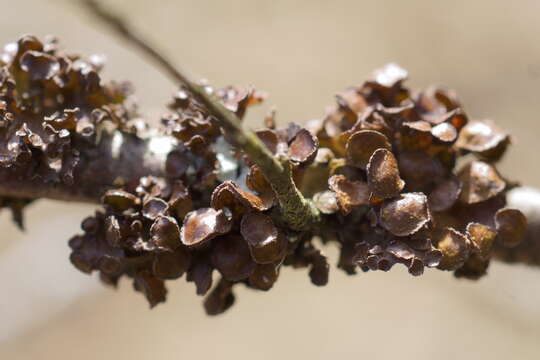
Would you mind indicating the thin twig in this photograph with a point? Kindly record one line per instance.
(297, 212)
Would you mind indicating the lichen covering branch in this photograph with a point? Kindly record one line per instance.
(295, 210)
(395, 176)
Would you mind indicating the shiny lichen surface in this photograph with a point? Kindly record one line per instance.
(398, 176)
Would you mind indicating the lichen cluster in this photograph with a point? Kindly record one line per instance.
(51, 107)
(399, 177)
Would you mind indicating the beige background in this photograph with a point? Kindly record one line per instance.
(302, 52)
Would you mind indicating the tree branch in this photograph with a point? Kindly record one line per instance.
(56, 142)
(119, 159)
(296, 211)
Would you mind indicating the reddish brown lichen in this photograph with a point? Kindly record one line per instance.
(379, 170)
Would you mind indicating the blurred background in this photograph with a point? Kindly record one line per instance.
(302, 52)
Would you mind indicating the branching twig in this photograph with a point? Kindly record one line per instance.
(296, 211)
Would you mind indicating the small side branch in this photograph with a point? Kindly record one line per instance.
(296, 211)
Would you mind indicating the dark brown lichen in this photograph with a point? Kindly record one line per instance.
(383, 175)
(362, 144)
(204, 224)
(481, 181)
(511, 226)
(48, 102)
(380, 167)
(405, 215)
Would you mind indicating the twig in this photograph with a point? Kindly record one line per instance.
(296, 211)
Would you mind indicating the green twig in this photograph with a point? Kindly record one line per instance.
(295, 210)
